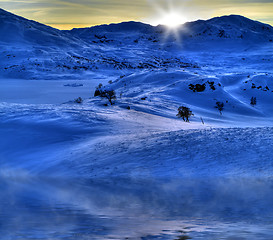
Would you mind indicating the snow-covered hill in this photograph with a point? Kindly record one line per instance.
(230, 27)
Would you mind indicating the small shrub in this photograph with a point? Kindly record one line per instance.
(78, 100)
(253, 101)
(109, 94)
(104, 93)
(184, 113)
(98, 90)
(97, 93)
(220, 107)
(212, 87)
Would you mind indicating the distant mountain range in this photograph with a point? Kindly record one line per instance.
(226, 27)
(16, 29)
(32, 50)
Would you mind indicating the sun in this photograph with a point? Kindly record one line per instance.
(171, 19)
(170, 15)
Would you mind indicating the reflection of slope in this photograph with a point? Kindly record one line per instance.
(147, 209)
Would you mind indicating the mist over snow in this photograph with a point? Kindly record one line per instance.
(122, 164)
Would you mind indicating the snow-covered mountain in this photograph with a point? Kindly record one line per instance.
(233, 27)
(18, 30)
(230, 27)
(32, 50)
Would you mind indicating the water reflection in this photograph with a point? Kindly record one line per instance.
(34, 208)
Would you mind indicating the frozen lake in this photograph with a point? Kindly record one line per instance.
(46, 91)
(124, 209)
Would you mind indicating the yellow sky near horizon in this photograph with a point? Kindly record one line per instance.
(68, 14)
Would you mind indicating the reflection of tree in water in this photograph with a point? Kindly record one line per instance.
(183, 235)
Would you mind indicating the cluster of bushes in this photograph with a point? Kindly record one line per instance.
(197, 87)
(202, 87)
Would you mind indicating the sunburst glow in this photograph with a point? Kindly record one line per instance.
(172, 20)
(171, 15)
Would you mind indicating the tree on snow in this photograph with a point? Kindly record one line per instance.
(253, 101)
(220, 106)
(184, 113)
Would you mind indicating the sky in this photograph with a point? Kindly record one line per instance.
(68, 14)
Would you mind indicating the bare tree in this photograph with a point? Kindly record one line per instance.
(220, 107)
(109, 94)
(253, 101)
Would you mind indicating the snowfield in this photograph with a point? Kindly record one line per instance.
(134, 170)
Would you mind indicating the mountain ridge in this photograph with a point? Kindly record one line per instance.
(17, 29)
(31, 50)
(226, 26)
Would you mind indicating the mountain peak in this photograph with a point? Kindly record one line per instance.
(236, 19)
(230, 27)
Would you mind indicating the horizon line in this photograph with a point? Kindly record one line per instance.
(80, 25)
